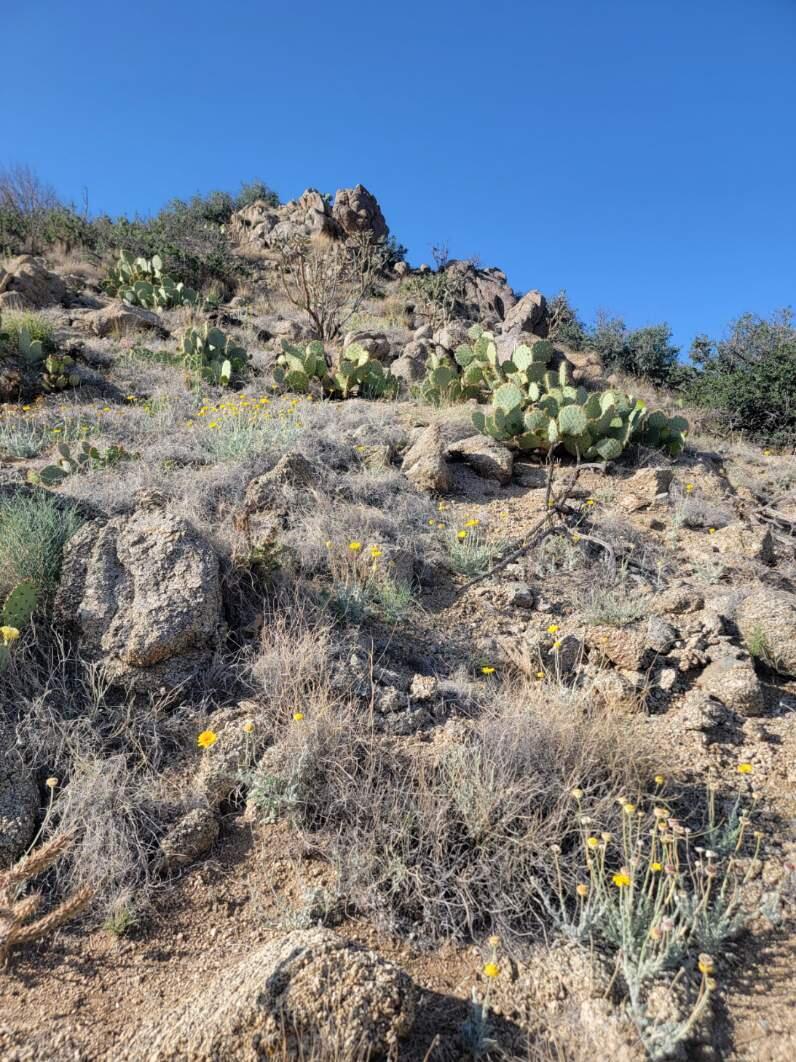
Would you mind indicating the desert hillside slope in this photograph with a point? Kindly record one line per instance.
(384, 673)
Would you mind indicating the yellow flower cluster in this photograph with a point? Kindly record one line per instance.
(8, 635)
(251, 410)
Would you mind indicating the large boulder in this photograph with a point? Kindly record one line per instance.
(142, 592)
(26, 283)
(528, 317)
(19, 801)
(357, 213)
(120, 319)
(424, 463)
(486, 456)
(483, 295)
(308, 991)
(766, 620)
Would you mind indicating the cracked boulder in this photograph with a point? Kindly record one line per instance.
(142, 594)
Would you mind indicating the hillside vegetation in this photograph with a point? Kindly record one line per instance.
(392, 665)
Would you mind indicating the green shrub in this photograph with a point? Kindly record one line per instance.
(647, 352)
(749, 378)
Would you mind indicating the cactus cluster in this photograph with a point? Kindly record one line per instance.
(25, 364)
(84, 459)
(142, 282)
(595, 426)
(211, 354)
(476, 370)
(355, 372)
(17, 610)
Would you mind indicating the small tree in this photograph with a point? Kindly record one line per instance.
(329, 279)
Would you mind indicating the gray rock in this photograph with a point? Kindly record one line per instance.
(733, 682)
(142, 593)
(486, 456)
(189, 838)
(661, 635)
(519, 595)
(307, 991)
(424, 464)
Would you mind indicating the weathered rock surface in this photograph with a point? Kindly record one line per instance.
(19, 801)
(190, 837)
(486, 456)
(120, 319)
(528, 317)
(745, 540)
(424, 463)
(142, 593)
(733, 681)
(766, 620)
(28, 279)
(356, 212)
(307, 990)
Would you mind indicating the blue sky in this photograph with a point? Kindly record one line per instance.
(639, 153)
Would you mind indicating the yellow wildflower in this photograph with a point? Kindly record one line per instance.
(355, 546)
(461, 535)
(248, 727)
(656, 867)
(621, 880)
(51, 783)
(593, 842)
(744, 768)
(689, 487)
(540, 675)
(491, 969)
(576, 794)
(555, 646)
(582, 890)
(553, 628)
(705, 964)
(472, 523)
(207, 739)
(628, 808)
(298, 717)
(9, 635)
(375, 552)
(660, 779)
(711, 530)
(487, 670)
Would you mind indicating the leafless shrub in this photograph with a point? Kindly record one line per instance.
(329, 279)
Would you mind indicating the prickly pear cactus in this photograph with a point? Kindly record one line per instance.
(19, 605)
(142, 282)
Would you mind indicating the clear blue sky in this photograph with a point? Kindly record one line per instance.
(639, 153)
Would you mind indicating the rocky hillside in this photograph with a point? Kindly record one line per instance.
(379, 676)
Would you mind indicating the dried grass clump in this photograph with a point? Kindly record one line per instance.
(452, 840)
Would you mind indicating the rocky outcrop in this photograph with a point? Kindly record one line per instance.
(27, 284)
(355, 212)
(302, 992)
(19, 801)
(528, 317)
(732, 680)
(142, 594)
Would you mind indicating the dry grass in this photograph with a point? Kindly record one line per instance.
(452, 839)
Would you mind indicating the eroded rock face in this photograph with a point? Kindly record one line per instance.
(19, 802)
(307, 990)
(26, 283)
(528, 317)
(142, 593)
(732, 680)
